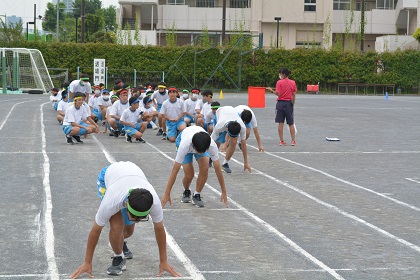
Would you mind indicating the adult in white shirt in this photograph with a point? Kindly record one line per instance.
(194, 141)
(127, 198)
(230, 124)
(250, 121)
(82, 85)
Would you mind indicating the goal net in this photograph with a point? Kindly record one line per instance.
(23, 70)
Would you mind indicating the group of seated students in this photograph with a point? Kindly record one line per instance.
(129, 112)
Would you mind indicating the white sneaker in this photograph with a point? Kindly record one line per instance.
(154, 126)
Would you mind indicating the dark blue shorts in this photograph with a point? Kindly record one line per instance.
(284, 110)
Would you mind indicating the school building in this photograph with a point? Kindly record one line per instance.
(285, 23)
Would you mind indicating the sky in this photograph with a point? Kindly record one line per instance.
(25, 8)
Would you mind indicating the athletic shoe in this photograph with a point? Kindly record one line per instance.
(117, 267)
(282, 143)
(60, 122)
(115, 133)
(128, 139)
(226, 168)
(160, 132)
(154, 126)
(210, 163)
(293, 143)
(164, 136)
(186, 196)
(69, 140)
(122, 132)
(141, 140)
(96, 119)
(196, 200)
(126, 251)
(77, 138)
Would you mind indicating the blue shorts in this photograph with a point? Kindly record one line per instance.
(248, 125)
(159, 107)
(172, 127)
(100, 185)
(188, 157)
(67, 129)
(120, 126)
(222, 137)
(55, 106)
(131, 130)
(97, 113)
(190, 118)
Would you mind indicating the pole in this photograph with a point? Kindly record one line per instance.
(34, 22)
(278, 19)
(77, 21)
(3, 70)
(27, 31)
(58, 17)
(83, 20)
(362, 28)
(224, 21)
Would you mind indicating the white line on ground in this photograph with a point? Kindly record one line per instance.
(10, 112)
(49, 226)
(270, 228)
(415, 180)
(342, 180)
(188, 264)
(338, 210)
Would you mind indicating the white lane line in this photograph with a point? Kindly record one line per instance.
(342, 180)
(188, 264)
(339, 153)
(10, 112)
(269, 227)
(49, 226)
(415, 180)
(336, 209)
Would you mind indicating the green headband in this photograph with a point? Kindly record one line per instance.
(84, 79)
(215, 107)
(135, 212)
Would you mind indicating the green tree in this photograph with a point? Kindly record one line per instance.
(103, 37)
(91, 6)
(416, 34)
(50, 16)
(11, 32)
(110, 15)
(93, 24)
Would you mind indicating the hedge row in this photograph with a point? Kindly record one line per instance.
(308, 66)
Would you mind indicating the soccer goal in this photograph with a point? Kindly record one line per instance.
(23, 70)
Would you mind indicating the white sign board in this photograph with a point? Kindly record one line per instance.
(98, 71)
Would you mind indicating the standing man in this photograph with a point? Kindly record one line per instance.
(81, 85)
(127, 198)
(194, 141)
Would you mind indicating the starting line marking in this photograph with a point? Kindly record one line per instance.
(415, 180)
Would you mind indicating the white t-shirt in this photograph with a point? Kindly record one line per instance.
(160, 98)
(173, 109)
(62, 106)
(94, 102)
(130, 116)
(224, 115)
(75, 86)
(189, 105)
(205, 108)
(75, 115)
(186, 146)
(118, 108)
(120, 177)
(209, 117)
(240, 108)
(105, 103)
(149, 110)
(55, 98)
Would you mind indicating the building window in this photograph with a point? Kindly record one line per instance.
(310, 6)
(341, 5)
(205, 3)
(239, 3)
(385, 4)
(175, 2)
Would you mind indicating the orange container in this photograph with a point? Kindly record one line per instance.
(312, 88)
(256, 97)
